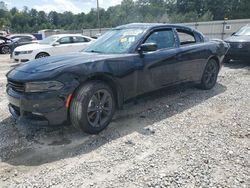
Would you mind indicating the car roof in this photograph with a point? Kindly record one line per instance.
(21, 35)
(69, 35)
(153, 25)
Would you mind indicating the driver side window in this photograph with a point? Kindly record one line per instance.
(163, 39)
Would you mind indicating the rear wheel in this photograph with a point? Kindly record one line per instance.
(92, 107)
(41, 55)
(210, 75)
(5, 50)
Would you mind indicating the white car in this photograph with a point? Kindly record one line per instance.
(52, 45)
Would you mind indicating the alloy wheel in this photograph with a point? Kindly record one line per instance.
(100, 108)
(5, 50)
(210, 74)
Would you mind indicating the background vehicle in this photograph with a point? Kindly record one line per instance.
(27, 36)
(239, 45)
(85, 88)
(53, 45)
(4, 45)
(20, 42)
(11, 43)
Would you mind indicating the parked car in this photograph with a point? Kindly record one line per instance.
(85, 88)
(4, 45)
(11, 43)
(20, 42)
(53, 45)
(239, 45)
(14, 36)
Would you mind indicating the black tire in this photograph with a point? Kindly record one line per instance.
(210, 75)
(86, 114)
(5, 50)
(41, 55)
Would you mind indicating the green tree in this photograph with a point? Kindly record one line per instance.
(174, 11)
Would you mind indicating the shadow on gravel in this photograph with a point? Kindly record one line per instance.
(238, 65)
(41, 145)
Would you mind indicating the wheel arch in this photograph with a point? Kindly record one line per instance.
(110, 81)
(43, 52)
(214, 57)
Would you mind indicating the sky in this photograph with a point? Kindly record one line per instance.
(75, 6)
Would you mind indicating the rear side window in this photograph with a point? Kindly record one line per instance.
(80, 39)
(26, 39)
(186, 37)
(65, 40)
(163, 39)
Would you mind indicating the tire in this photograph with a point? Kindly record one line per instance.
(41, 55)
(5, 50)
(87, 112)
(210, 75)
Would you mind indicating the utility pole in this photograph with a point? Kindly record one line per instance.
(98, 16)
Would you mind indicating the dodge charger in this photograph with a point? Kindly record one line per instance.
(86, 88)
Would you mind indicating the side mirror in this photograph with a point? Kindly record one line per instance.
(233, 34)
(56, 44)
(148, 47)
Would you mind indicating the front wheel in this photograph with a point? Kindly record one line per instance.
(6, 50)
(92, 107)
(42, 55)
(210, 75)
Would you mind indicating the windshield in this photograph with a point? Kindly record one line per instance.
(49, 40)
(243, 31)
(116, 41)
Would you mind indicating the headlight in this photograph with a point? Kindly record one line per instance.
(26, 52)
(43, 86)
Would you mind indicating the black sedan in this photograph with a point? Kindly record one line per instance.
(4, 45)
(8, 45)
(240, 45)
(85, 88)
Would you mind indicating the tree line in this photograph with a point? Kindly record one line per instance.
(166, 11)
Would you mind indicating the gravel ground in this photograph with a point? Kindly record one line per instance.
(177, 137)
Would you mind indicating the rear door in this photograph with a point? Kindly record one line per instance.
(80, 43)
(192, 55)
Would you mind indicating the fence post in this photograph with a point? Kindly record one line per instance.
(223, 29)
(196, 25)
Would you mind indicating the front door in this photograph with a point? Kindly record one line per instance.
(65, 45)
(160, 67)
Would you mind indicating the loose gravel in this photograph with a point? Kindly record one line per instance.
(177, 137)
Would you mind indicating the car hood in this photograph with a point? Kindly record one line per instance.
(52, 63)
(29, 47)
(238, 39)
